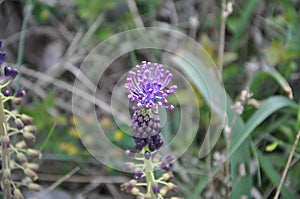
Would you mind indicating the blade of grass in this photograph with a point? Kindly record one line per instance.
(47, 138)
(269, 170)
(277, 77)
(271, 105)
(243, 22)
(206, 83)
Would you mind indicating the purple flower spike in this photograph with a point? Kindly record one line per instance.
(148, 86)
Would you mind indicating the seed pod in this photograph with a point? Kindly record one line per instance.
(17, 194)
(6, 174)
(22, 158)
(17, 100)
(26, 119)
(30, 128)
(34, 186)
(29, 136)
(135, 191)
(5, 141)
(164, 190)
(34, 153)
(32, 166)
(168, 176)
(147, 196)
(21, 144)
(172, 187)
(30, 174)
(19, 123)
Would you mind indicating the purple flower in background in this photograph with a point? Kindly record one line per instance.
(148, 86)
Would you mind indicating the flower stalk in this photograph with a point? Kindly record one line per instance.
(5, 153)
(16, 131)
(148, 91)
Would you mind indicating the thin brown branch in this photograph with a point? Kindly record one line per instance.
(287, 166)
(136, 17)
(222, 36)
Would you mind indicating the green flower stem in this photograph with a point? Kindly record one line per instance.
(150, 179)
(5, 152)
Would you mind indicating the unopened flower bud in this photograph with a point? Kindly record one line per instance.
(147, 155)
(135, 191)
(20, 93)
(138, 174)
(6, 92)
(165, 166)
(17, 194)
(14, 112)
(14, 72)
(172, 187)
(129, 166)
(147, 196)
(7, 71)
(30, 128)
(168, 159)
(155, 188)
(5, 141)
(12, 164)
(34, 186)
(21, 158)
(26, 180)
(167, 176)
(29, 136)
(163, 191)
(130, 153)
(16, 100)
(6, 174)
(26, 119)
(19, 123)
(32, 166)
(30, 174)
(21, 144)
(34, 153)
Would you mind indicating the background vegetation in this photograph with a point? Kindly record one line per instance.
(48, 40)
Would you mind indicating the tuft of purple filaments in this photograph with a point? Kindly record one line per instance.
(148, 86)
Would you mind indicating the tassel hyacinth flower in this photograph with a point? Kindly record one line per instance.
(148, 90)
(16, 132)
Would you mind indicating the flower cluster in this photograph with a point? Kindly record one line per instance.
(17, 133)
(147, 87)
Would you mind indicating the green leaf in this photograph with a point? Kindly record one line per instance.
(272, 105)
(243, 21)
(277, 77)
(269, 170)
(298, 118)
(209, 86)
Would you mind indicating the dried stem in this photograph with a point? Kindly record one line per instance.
(222, 36)
(5, 153)
(136, 17)
(227, 164)
(287, 165)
